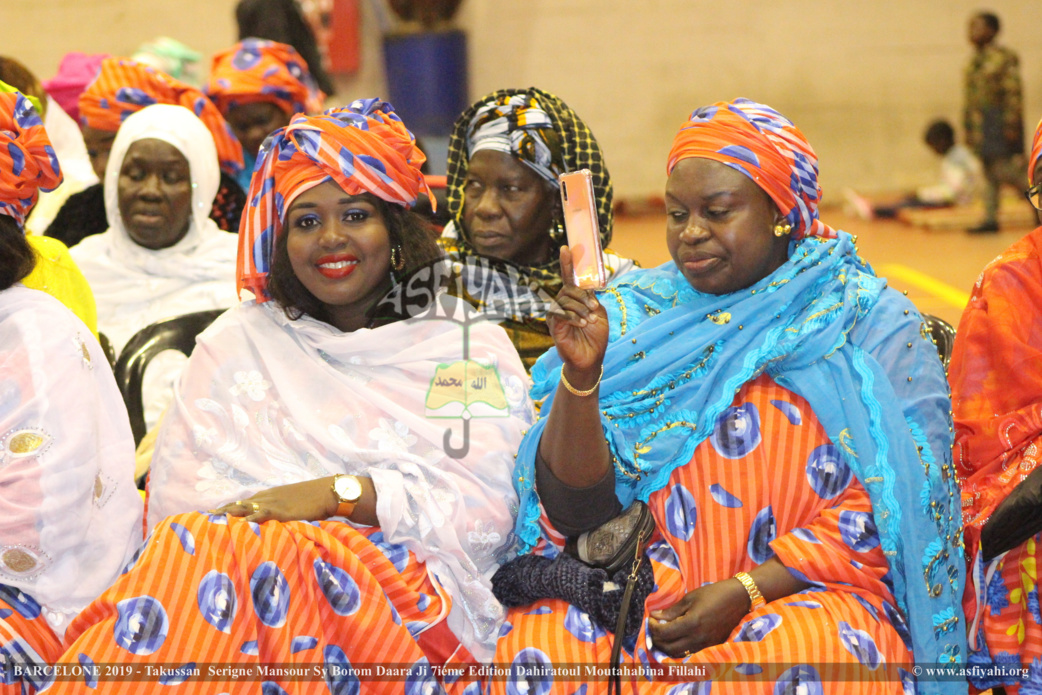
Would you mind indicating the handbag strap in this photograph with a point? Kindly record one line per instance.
(615, 682)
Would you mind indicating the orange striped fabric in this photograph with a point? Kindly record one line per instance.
(124, 86)
(1036, 153)
(260, 70)
(222, 593)
(779, 488)
(28, 163)
(27, 639)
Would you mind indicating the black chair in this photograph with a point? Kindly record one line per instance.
(106, 347)
(176, 333)
(943, 336)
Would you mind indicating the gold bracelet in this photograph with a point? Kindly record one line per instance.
(756, 599)
(576, 392)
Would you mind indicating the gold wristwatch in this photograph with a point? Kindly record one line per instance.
(348, 490)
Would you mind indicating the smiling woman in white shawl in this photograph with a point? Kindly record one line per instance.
(70, 516)
(351, 521)
(162, 255)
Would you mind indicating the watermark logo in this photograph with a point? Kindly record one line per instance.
(466, 291)
(466, 389)
(493, 290)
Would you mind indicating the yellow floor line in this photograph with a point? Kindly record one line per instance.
(924, 282)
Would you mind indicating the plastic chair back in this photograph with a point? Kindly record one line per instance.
(106, 347)
(176, 333)
(943, 336)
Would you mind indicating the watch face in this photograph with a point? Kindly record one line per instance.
(347, 487)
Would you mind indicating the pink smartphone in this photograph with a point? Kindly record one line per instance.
(580, 224)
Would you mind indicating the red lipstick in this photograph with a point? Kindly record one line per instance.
(336, 265)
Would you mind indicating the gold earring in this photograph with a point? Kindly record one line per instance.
(782, 229)
(397, 258)
(557, 232)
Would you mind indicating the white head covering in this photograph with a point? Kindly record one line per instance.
(135, 286)
(70, 516)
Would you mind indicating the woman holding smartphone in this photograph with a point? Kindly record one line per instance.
(505, 156)
(785, 419)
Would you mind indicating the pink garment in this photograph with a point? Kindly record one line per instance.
(76, 71)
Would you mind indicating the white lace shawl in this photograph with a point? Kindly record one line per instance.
(266, 401)
(70, 515)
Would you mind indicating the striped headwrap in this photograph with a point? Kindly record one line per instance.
(262, 70)
(28, 163)
(765, 146)
(364, 148)
(1036, 153)
(541, 131)
(124, 86)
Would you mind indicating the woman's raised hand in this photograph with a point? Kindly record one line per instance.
(579, 326)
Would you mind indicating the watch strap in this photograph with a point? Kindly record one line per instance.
(756, 599)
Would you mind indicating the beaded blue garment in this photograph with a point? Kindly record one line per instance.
(825, 327)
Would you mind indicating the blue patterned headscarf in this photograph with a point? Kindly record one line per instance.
(825, 327)
(764, 145)
(28, 163)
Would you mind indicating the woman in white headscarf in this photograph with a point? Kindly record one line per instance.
(162, 255)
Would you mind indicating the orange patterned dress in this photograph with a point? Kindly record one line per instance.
(283, 605)
(767, 482)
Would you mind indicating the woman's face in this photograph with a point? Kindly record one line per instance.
(155, 194)
(99, 144)
(340, 250)
(508, 209)
(254, 121)
(719, 227)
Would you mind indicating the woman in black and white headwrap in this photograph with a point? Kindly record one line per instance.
(505, 154)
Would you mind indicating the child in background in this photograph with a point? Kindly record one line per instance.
(959, 183)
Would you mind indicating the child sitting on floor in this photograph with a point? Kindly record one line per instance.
(959, 181)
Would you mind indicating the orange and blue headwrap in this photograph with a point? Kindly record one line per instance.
(261, 70)
(1036, 153)
(364, 148)
(28, 163)
(765, 146)
(123, 87)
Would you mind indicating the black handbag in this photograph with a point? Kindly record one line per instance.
(603, 574)
(1016, 519)
(619, 541)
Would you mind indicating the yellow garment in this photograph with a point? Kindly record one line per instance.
(57, 275)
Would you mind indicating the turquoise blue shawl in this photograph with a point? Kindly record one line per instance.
(825, 327)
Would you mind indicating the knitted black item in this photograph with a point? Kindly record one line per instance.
(82, 215)
(528, 578)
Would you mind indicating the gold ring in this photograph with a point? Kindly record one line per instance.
(255, 507)
(687, 653)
